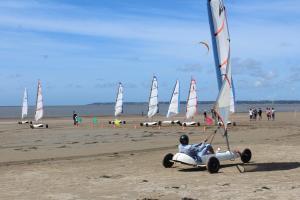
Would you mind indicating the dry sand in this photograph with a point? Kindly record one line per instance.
(102, 162)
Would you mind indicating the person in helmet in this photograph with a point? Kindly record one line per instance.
(194, 150)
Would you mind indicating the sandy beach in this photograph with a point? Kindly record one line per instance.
(106, 162)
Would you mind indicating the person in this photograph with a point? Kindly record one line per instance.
(250, 114)
(259, 114)
(268, 111)
(273, 113)
(254, 114)
(194, 150)
(204, 115)
(75, 116)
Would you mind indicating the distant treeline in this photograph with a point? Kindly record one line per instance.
(212, 102)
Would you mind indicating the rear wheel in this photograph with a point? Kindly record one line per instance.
(167, 161)
(246, 156)
(213, 165)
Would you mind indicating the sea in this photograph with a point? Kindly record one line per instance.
(107, 109)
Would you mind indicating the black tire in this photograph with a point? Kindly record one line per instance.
(141, 124)
(213, 165)
(246, 156)
(47, 126)
(198, 123)
(167, 161)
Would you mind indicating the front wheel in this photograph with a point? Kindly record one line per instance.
(246, 156)
(167, 163)
(213, 165)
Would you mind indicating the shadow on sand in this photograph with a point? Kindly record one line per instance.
(266, 167)
(253, 167)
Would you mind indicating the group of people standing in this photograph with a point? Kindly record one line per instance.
(257, 113)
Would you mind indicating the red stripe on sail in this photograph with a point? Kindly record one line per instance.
(221, 28)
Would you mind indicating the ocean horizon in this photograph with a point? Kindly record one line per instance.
(140, 108)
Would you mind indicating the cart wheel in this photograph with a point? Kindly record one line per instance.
(167, 161)
(213, 165)
(141, 124)
(246, 156)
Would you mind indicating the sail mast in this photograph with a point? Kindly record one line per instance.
(191, 105)
(25, 105)
(174, 101)
(39, 103)
(153, 98)
(119, 101)
(220, 42)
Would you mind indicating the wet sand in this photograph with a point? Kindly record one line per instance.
(103, 162)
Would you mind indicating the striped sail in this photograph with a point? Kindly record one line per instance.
(119, 101)
(25, 105)
(191, 104)
(39, 112)
(221, 43)
(174, 102)
(153, 98)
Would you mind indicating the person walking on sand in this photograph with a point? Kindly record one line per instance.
(250, 114)
(259, 114)
(273, 113)
(75, 116)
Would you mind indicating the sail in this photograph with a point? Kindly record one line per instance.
(25, 105)
(223, 102)
(119, 101)
(221, 42)
(39, 103)
(174, 102)
(153, 99)
(191, 104)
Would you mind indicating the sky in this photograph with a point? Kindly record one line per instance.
(81, 49)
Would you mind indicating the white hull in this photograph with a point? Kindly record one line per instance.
(190, 123)
(23, 122)
(147, 124)
(171, 122)
(221, 156)
(38, 126)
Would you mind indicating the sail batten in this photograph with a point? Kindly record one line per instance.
(153, 98)
(25, 105)
(39, 112)
(191, 105)
(221, 43)
(119, 101)
(174, 102)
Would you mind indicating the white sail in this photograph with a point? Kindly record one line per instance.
(153, 99)
(39, 103)
(191, 104)
(25, 105)
(223, 102)
(119, 101)
(221, 42)
(174, 102)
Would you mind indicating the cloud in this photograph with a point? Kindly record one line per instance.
(190, 68)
